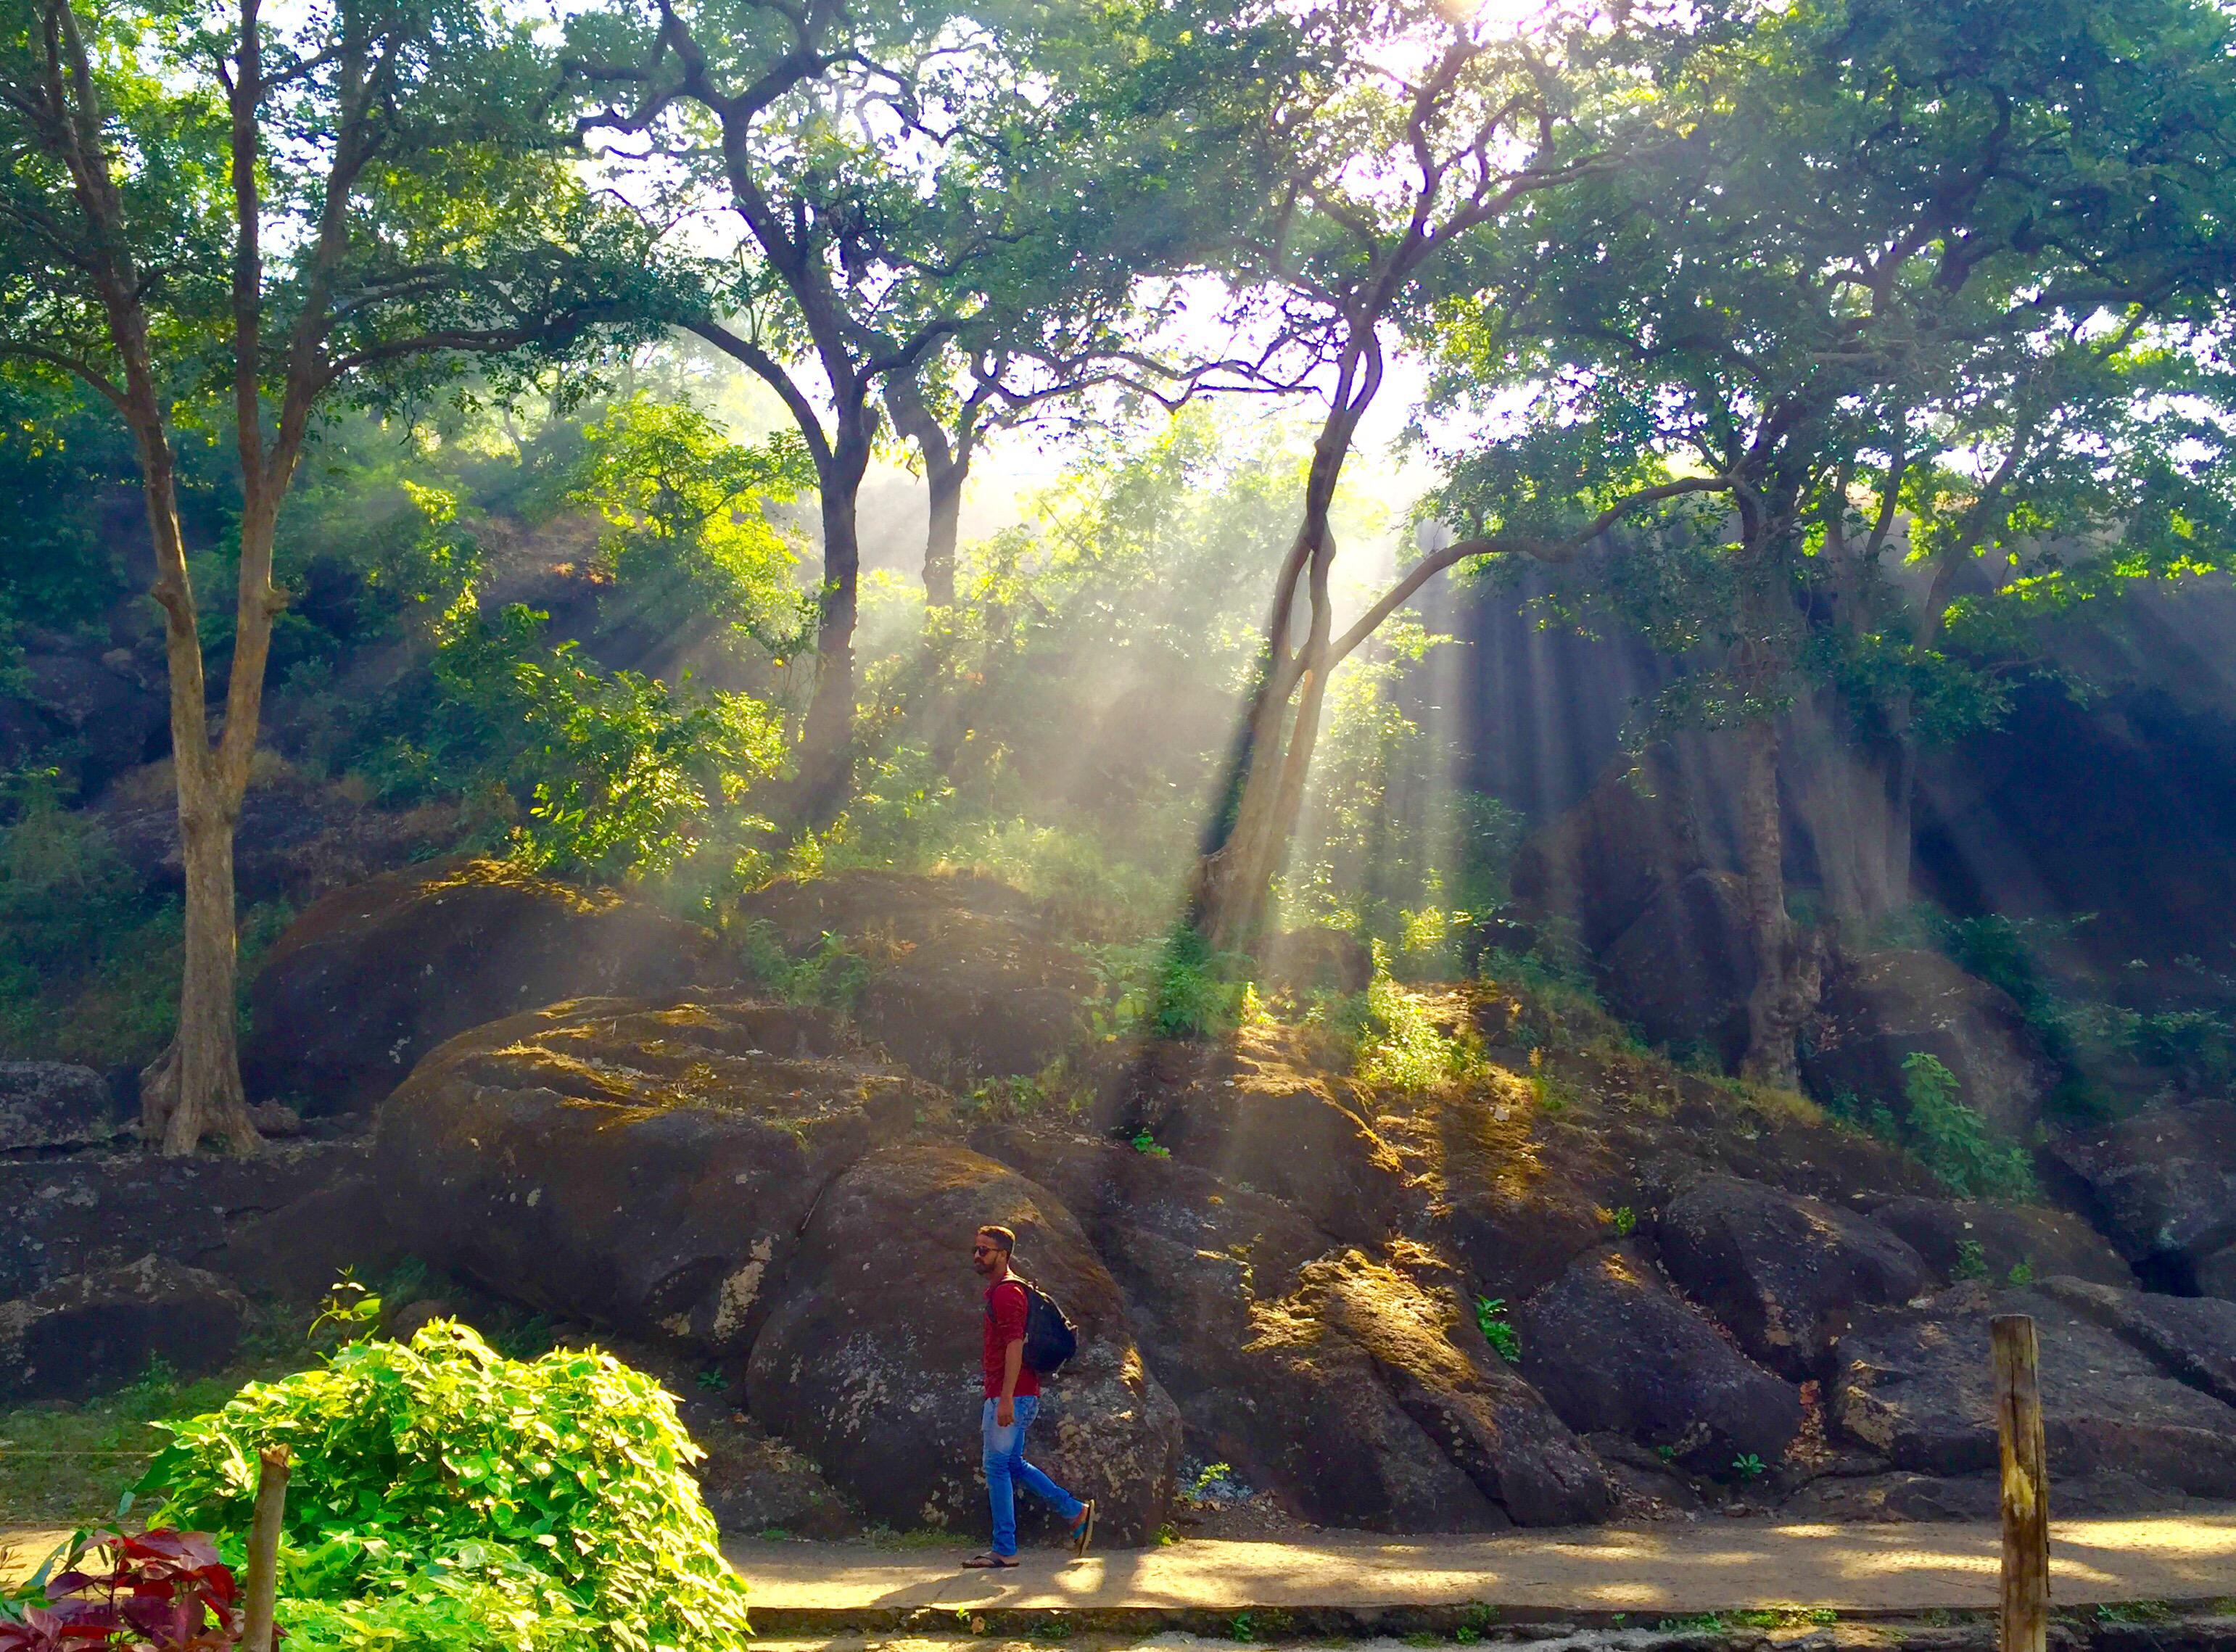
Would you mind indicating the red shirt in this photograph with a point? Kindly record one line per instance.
(1005, 1323)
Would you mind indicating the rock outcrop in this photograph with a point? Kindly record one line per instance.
(372, 978)
(963, 982)
(1613, 1348)
(1252, 1119)
(91, 1212)
(1682, 970)
(1971, 1238)
(2161, 1185)
(87, 1334)
(641, 1166)
(2192, 1338)
(1880, 1008)
(1783, 1272)
(1360, 1392)
(1414, 1324)
(55, 1104)
(1596, 867)
(868, 1361)
(1915, 1385)
(298, 838)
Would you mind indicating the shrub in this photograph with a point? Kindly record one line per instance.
(443, 1496)
(1490, 1320)
(1182, 987)
(829, 974)
(1398, 1043)
(1954, 1142)
(161, 1591)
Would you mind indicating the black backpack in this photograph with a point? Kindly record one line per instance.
(1050, 1338)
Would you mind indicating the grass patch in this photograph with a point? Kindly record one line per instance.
(71, 1464)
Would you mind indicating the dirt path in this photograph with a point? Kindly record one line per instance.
(1672, 1569)
(1675, 1569)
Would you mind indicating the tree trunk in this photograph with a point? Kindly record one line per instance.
(826, 746)
(1850, 795)
(194, 1089)
(945, 482)
(1788, 971)
(946, 466)
(1233, 894)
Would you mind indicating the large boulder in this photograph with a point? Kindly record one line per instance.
(1512, 1215)
(2193, 1338)
(1420, 1331)
(371, 978)
(91, 710)
(2214, 1274)
(1357, 1394)
(1880, 1008)
(1916, 1385)
(54, 1104)
(1783, 1272)
(1682, 970)
(1253, 1118)
(89, 1212)
(2161, 1185)
(1593, 869)
(869, 1363)
(297, 838)
(964, 983)
(1372, 1402)
(645, 1167)
(299, 1251)
(91, 1333)
(1613, 1348)
(1517, 1228)
(1971, 1238)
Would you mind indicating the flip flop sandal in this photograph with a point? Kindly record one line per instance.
(1083, 1533)
(991, 1562)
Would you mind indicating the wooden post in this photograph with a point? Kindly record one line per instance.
(2026, 1485)
(263, 1580)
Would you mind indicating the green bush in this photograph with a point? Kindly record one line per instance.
(444, 1496)
(1955, 1142)
(620, 775)
(1181, 987)
(1491, 1319)
(1397, 1042)
(828, 974)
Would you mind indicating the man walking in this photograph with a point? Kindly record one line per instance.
(1013, 1395)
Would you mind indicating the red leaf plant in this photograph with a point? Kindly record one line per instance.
(163, 1591)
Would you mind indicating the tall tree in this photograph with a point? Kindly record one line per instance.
(1396, 132)
(1901, 242)
(922, 191)
(200, 209)
(834, 132)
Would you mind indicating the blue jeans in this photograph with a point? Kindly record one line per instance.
(1006, 1470)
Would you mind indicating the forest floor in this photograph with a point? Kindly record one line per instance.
(1645, 1574)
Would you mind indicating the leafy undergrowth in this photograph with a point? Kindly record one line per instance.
(445, 1497)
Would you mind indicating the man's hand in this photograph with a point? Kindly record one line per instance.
(1013, 1364)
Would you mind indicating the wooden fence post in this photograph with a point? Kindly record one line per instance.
(2025, 1621)
(262, 1583)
